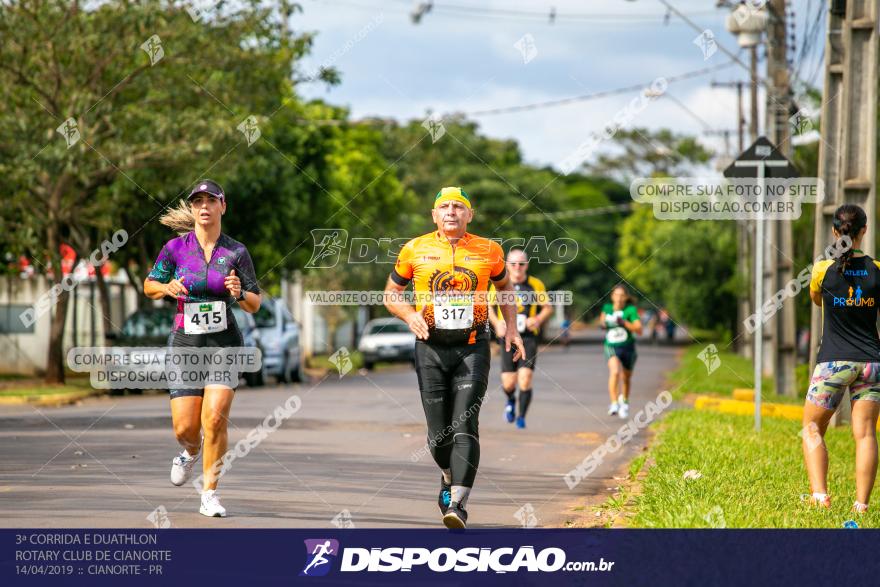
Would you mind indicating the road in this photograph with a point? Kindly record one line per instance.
(349, 456)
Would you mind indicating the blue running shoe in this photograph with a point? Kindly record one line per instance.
(521, 422)
(445, 496)
(510, 410)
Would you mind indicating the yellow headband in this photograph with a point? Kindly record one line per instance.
(452, 194)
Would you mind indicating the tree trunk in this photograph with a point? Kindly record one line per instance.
(55, 355)
(332, 327)
(55, 361)
(138, 283)
(104, 294)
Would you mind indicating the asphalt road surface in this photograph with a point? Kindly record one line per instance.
(351, 456)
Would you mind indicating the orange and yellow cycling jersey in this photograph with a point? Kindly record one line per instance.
(434, 266)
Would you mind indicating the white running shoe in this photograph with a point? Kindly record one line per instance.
(182, 468)
(612, 409)
(211, 505)
(623, 412)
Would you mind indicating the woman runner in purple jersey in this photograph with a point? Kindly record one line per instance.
(206, 272)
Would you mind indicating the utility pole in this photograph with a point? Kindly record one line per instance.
(741, 119)
(753, 89)
(725, 134)
(848, 149)
(744, 301)
(781, 350)
(760, 162)
(748, 23)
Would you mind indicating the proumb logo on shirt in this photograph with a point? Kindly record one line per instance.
(320, 554)
(855, 299)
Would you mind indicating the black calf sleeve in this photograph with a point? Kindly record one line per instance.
(525, 398)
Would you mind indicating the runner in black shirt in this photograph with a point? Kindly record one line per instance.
(847, 289)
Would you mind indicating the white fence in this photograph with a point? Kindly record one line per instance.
(24, 349)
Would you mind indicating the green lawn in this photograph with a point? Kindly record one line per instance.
(323, 361)
(31, 387)
(749, 479)
(692, 376)
(356, 358)
(11, 377)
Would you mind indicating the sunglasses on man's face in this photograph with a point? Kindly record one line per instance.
(518, 263)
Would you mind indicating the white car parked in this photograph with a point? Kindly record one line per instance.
(387, 339)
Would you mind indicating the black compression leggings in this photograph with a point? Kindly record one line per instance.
(452, 383)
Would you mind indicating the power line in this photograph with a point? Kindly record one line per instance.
(820, 64)
(551, 16)
(545, 15)
(596, 95)
(722, 48)
(559, 102)
(706, 126)
(811, 35)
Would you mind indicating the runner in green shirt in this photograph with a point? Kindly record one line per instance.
(620, 319)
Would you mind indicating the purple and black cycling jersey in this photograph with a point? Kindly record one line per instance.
(182, 258)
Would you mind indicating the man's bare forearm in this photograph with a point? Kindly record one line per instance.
(400, 309)
(397, 308)
(545, 314)
(494, 320)
(508, 311)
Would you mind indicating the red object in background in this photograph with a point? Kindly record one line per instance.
(68, 256)
(105, 270)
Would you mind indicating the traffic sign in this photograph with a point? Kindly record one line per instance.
(776, 166)
(761, 161)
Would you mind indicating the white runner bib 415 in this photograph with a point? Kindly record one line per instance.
(204, 317)
(454, 313)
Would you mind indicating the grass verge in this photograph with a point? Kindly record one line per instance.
(323, 361)
(36, 388)
(747, 479)
(732, 372)
(357, 362)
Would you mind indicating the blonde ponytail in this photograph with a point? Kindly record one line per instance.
(179, 219)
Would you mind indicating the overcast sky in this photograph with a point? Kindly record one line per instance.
(457, 61)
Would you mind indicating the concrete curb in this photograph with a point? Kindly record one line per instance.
(747, 408)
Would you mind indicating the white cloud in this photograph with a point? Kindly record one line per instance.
(469, 63)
